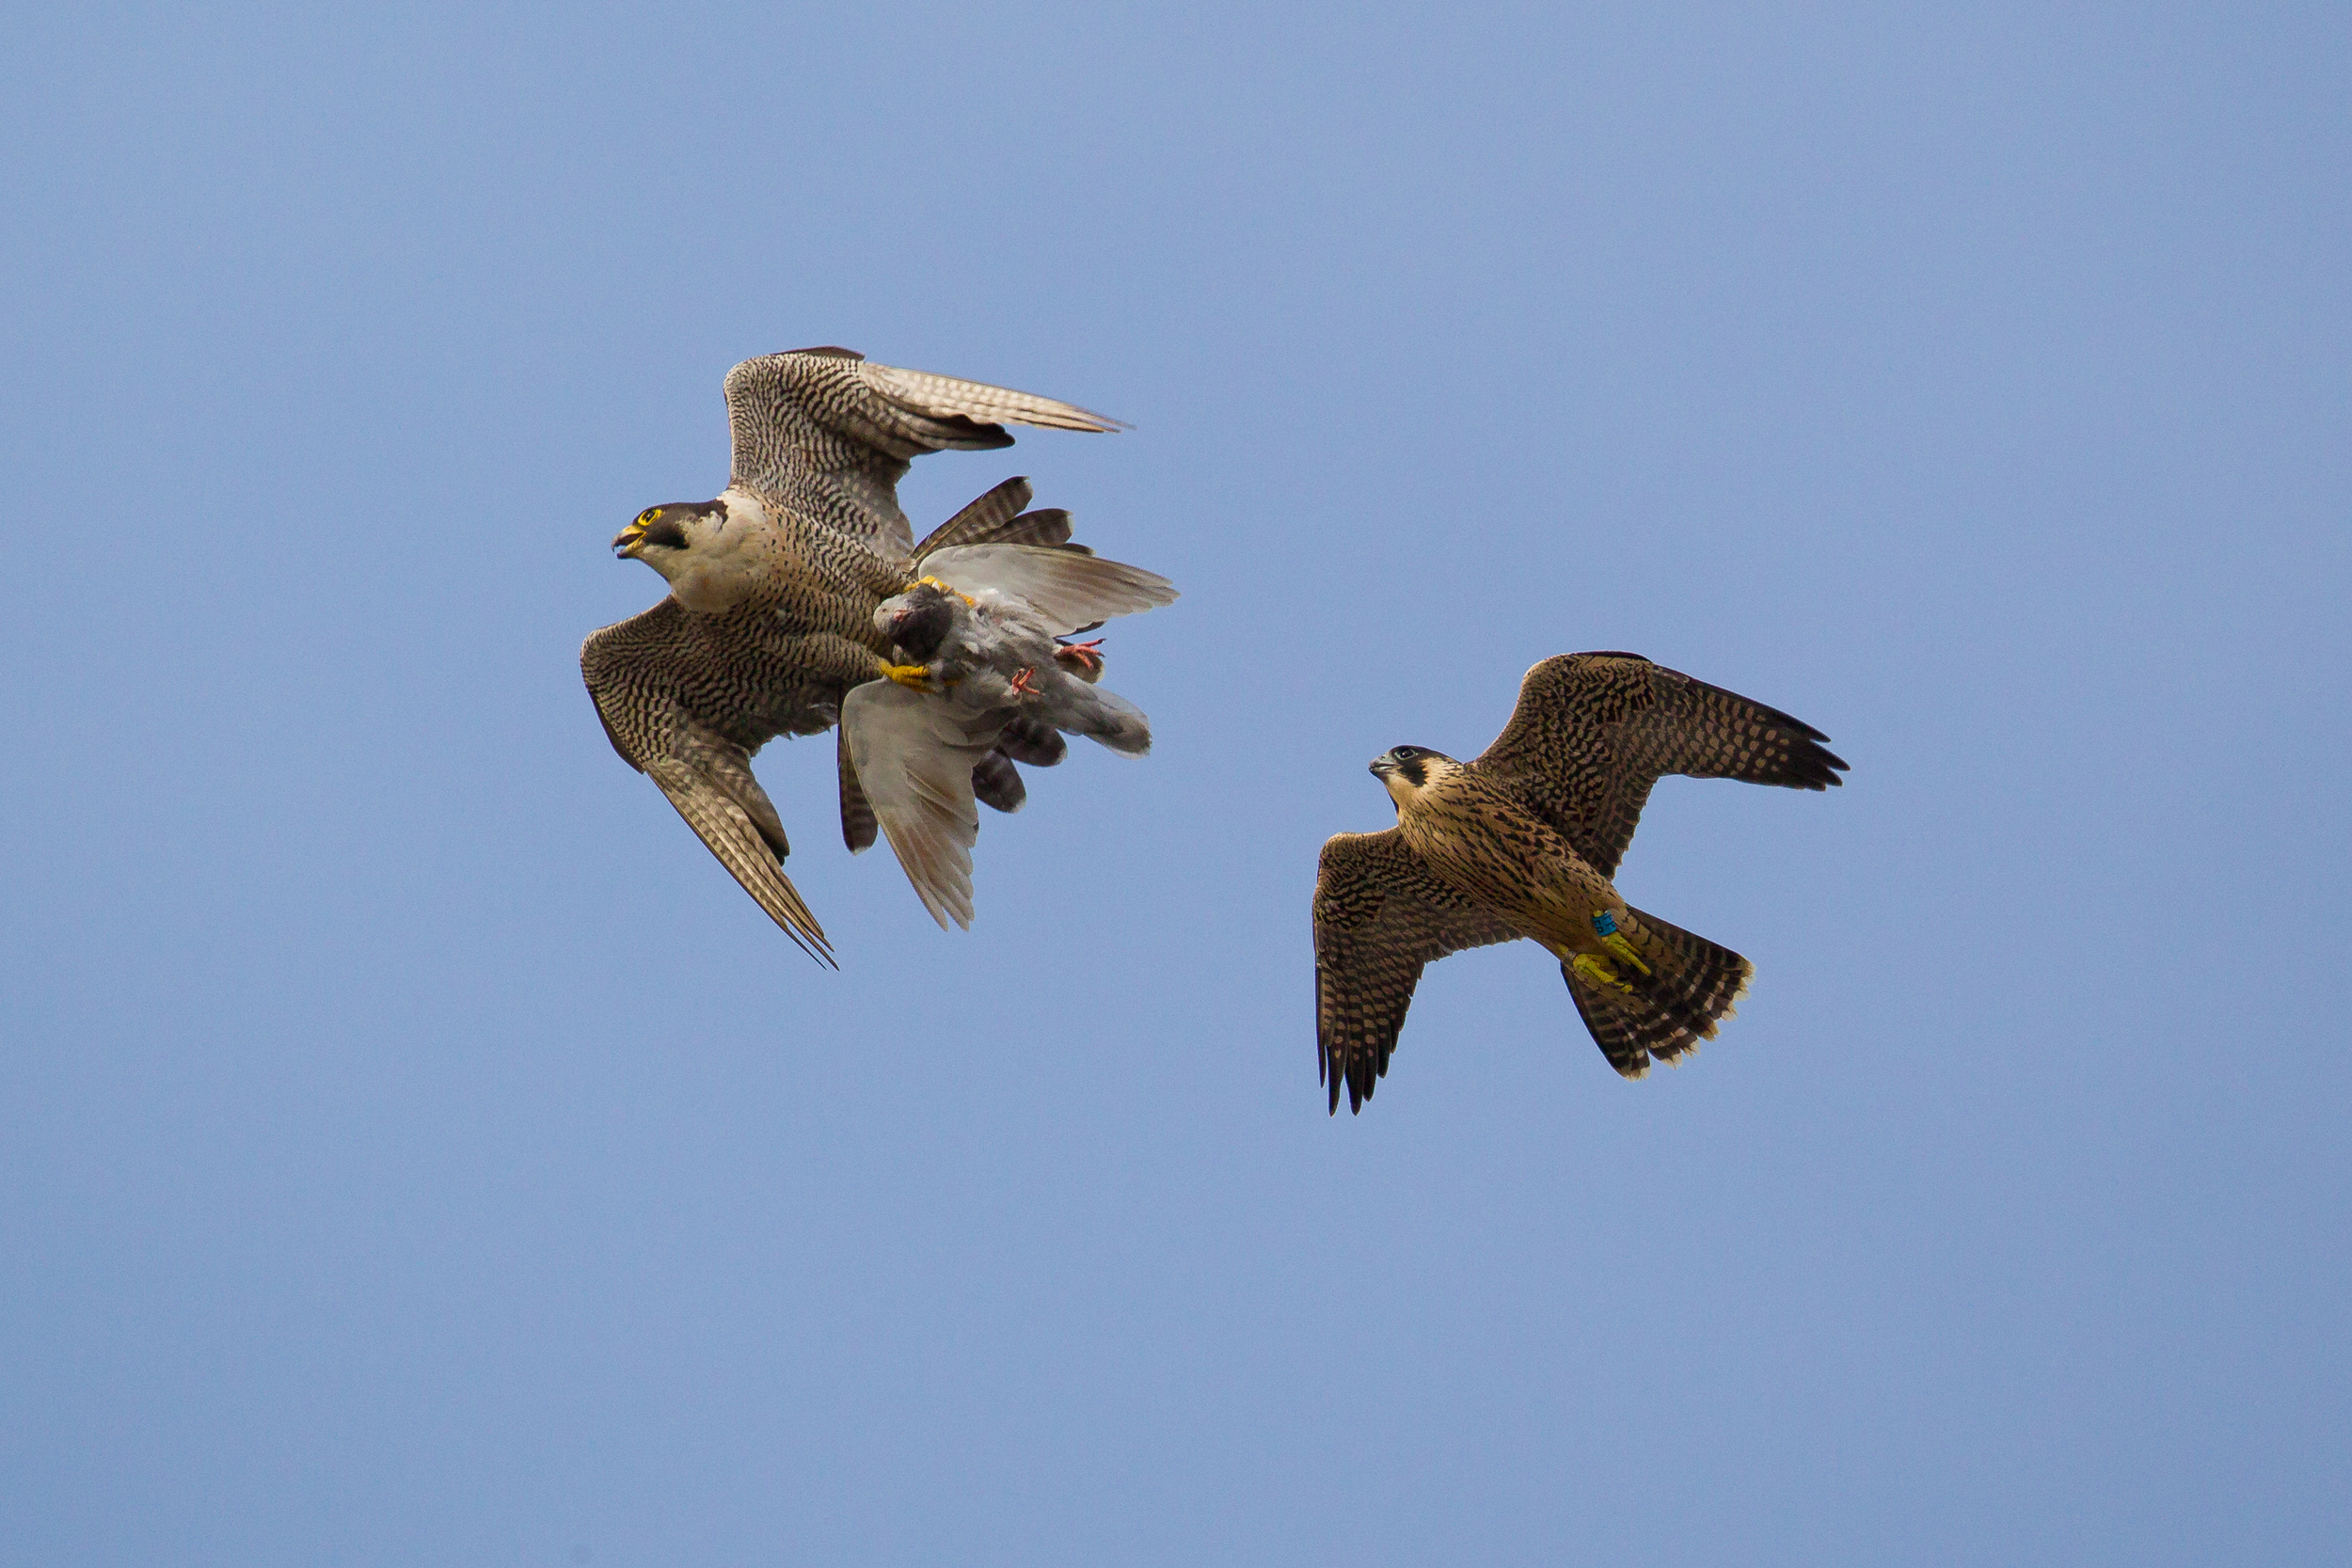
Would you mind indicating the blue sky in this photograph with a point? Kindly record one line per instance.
(417, 1150)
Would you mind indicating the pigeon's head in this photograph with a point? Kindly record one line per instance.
(707, 549)
(1409, 769)
(918, 620)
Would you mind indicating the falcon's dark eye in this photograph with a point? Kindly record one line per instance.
(1406, 753)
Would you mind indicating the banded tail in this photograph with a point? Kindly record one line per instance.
(996, 518)
(1692, 986)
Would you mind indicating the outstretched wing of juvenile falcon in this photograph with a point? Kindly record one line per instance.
(829, 435)
(1380, 916)
(1593, 732)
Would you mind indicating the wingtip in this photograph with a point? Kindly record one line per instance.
(812, 941)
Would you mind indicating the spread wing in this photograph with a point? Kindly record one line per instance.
(829, 436)
(1593, 732)
(1068, 586)
(914, 754)
(1380, 916)
(707, 776)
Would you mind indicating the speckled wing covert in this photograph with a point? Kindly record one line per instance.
(706, 775)
(1593, 732)
(829, 435)
(1380, 916)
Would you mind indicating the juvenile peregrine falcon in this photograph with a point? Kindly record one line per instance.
(770, 620)
(1522, 842)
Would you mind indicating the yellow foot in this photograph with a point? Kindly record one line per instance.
(1592, 969)
(914, 676)
(946, 588)
(1624, 949)
(1605, 927)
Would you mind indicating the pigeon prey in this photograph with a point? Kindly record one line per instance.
(773, 585)
(1523, 842)
(984, 651)
(990, 652)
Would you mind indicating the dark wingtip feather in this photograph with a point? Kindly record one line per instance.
(970, 435)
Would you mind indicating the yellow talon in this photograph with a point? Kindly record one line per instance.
(915, 677)
(1624, 949)
(1592, 969)
(946, 588)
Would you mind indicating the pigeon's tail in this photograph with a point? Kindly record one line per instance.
(1107, 717)
(1659, 992)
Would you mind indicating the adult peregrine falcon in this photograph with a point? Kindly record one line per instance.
(1523, 842)
(773, 587)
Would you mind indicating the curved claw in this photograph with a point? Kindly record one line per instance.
(1592, 969)
(1624, 949)
(1081, 656)
(945, 587)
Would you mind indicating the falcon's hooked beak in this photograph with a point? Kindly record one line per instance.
(649, 527)
(1403, 770)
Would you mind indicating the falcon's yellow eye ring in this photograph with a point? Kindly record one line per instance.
(650, 515)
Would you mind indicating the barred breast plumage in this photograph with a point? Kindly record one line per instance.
(1523, 842)
(775, 583)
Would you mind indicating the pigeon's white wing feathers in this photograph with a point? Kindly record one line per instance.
(1068, 589)
(914, 756)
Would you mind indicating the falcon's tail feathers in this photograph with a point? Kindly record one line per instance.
(1692, 986)
(983, 518)
(996, 783)
(1032, 742)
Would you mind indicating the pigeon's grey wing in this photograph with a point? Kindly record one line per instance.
(1069, 588)
(1380, 916)
(705, 776)
(829, 436)
(1593, 732)
(914, 754)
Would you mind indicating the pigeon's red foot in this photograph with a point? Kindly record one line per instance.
(1081, 658)
(1021, 687)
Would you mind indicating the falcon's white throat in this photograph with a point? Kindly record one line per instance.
(728, 555)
